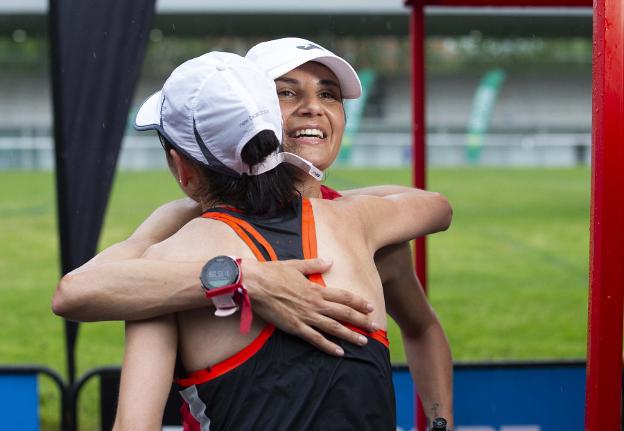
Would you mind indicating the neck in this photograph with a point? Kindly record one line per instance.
(309, 187)
(207, 204)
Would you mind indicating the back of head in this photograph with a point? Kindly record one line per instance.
(266, 193)
(210, 107)
(222, 112)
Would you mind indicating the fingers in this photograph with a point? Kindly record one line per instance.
(344, 297)
(337, 329)
(345, 315)
(310, 266)
(316, 339)
(283, 296)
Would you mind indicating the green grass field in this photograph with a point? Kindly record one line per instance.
(508, 279)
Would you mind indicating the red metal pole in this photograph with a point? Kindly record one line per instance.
(417, 32)
(510, 3)
(604, 360)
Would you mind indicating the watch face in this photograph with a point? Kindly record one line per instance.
(219, 271)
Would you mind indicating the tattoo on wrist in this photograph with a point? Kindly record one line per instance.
(434, 410)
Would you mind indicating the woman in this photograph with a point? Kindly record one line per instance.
(222, 149)
(102, 289)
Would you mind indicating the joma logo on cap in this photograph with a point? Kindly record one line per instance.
(309, 46)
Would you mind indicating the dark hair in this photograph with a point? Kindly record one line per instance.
(253, 194)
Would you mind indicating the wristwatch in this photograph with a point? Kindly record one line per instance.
(221, 280)
(439, 424)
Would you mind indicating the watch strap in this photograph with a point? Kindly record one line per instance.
(240, 296)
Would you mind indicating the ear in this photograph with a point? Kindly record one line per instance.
(183, 170)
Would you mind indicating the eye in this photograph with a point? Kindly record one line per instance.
(285, 93)
(328, 95)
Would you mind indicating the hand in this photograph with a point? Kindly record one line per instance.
(281, 294)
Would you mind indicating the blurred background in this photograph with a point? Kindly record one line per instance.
(508, 114)
(505, 87)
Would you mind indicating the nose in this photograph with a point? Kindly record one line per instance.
(310, 106)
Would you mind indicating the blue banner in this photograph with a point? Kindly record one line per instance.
(509, 397)
(19, 403)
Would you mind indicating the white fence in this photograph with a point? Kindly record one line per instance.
(369, 150)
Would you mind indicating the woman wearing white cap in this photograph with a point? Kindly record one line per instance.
(298, 308)
(311, 81)
(219, 120)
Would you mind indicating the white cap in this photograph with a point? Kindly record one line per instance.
(211, 106)
(279, 56)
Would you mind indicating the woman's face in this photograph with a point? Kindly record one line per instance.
(313, 114)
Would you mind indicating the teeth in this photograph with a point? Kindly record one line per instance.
(309, 132)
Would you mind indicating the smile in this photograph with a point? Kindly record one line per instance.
(308, 133)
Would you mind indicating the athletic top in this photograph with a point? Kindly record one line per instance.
(280, 382)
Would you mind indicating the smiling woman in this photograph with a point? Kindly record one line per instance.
(310, 83)
(313, 113)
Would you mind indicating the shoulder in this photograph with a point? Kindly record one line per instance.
(193, 240)
(344, 203)
(346, 210)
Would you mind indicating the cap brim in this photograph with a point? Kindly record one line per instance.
(350, 86)
(148, 116)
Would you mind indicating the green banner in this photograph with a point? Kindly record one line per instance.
(354, 111)
(481, 113)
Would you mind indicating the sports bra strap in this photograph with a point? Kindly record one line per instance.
(246, 232)
(308, 238)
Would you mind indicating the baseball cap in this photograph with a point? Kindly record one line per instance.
(279, 56)
(211, 106)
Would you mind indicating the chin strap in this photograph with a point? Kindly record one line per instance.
(274, 159)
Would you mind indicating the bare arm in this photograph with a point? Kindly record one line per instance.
(118, 284)
(426, 347)
(400, 214)
(434, 209)
(107, 286)
(384, 190)
(147, 373)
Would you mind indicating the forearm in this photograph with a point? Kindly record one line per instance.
(116, 285)
(147, 373)
(131, 289)
(426, 347)
(413, 213)
(383, 190)
(429, 360)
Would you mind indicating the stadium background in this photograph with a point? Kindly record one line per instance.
(532, 218)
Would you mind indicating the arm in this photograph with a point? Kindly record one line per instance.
(435, 209)
(118, 284)
(385, 190)
(98, 290)
(399, 214)
(426, 347)
(147, 373)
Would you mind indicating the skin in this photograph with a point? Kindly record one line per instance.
(349, 229)
(310, 98)
(307, 98)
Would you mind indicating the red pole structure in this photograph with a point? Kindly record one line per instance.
(604, 360)
(417, 32)
(509, 3)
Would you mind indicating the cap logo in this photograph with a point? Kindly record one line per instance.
(251, 117)
(309, 46)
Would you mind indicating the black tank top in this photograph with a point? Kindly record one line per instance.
(280, 382)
